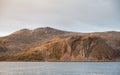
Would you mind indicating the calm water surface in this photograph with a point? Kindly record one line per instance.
(59, 68)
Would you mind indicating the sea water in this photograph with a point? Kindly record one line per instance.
(59, 68)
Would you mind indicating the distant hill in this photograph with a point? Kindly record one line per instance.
(49, 44)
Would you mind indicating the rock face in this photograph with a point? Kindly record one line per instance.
(48, 44)
(3, 49)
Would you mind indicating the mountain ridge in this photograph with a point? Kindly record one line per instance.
(49, 44)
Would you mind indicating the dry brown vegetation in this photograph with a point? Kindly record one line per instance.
(48, 44)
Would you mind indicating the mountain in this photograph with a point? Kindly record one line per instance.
(49, 44)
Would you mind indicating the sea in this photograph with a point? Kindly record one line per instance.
(59, 68)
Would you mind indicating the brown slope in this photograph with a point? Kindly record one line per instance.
(48, 44)
(75, 48)
(25, 37)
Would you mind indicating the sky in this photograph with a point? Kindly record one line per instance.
(68, 15)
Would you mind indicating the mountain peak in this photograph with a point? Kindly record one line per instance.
(44, 28)
(22, 31)
(47, 30)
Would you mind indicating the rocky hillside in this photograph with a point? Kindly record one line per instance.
(48, 44)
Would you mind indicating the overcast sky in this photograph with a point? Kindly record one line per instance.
(70, 15)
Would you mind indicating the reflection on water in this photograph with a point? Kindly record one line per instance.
(59, 68)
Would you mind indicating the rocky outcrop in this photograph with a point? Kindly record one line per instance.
(3, 49)
(79, 48)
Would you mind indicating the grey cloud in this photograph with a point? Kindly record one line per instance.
(58, 13)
